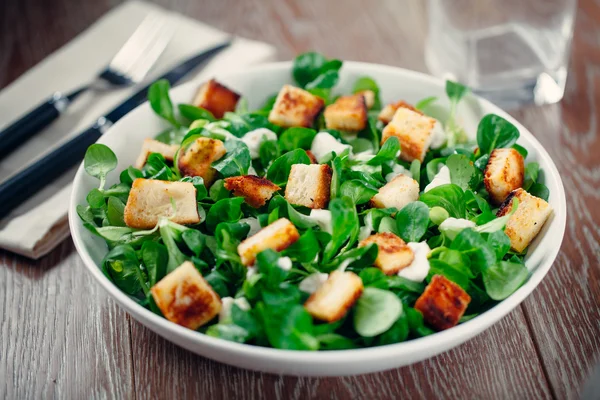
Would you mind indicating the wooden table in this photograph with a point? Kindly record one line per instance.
(61, 336)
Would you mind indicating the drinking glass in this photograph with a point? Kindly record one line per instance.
(512, 52)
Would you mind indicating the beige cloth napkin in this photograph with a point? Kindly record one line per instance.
(40, 224)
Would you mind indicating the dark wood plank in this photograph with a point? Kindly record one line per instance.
(79, 338)
(564, 312)
(60, 335)
(507, 368)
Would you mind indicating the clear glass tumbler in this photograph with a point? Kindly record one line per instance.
(511, 51)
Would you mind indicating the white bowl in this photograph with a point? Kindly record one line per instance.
(125, 139)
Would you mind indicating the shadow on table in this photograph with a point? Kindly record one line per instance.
(36, 269)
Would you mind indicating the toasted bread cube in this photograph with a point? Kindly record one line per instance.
(527, 221)
(348, 113)
(442, 303)
(505, 172)
(397, 193)
(184, 297)
(369, 96)
(150, 199)
(335, 297)
(387, 114)
(295, 107)
(196, 160)
(216, 98)
(255, 191)
(309, 185)
(154, 146)
(414, 131)
(276, 236)
(394, 254)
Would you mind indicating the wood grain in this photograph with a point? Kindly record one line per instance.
(61, 336)
(502, 371)
(564, 312)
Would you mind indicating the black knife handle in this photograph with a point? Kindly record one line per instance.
(19, 187)
(34, 121)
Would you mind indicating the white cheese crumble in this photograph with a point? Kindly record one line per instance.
(254, 138)
(365, 231)
(419, 268)
(451, 227)
(252, 171)
(363, 156)
(227, 303)
(251, 271)
(397, 169)
(441, 178)
(323, 219)
(323, 144)
(438, 136)
(285, 263)
(253, 223)
(311, 283)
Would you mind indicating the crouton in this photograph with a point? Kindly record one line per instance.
(394, 254)
(503, 173)
(309, 185)
(197, 158)
(527, 221)
(295, 107)
(335, 297)
(348, 113)
(413, 130)
(150, 199)
(312, 157)
(216, 98)
(154, 146)
(369, 96)
(442, 303)
(255, 191)
(397, 193)
(276, 236)
(388, 111)
(184, 297)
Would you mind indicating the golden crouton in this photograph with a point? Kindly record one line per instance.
(197, 158)
(295, 107)
(184, 297)
(442, 303)
(527, 221)
(309, 185)
(397, 193)
(388, 111)
(216, 98)
(276, 236)
(335, 297)
(150, 199)
(312, 157)
(394, 254)
(369, 96)
(504, 173)
(348, 113)
(256, 191)
(413, 130)
(154, 146)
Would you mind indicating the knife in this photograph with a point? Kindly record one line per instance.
(20, 186)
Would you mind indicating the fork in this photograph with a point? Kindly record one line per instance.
(128, 67)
